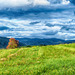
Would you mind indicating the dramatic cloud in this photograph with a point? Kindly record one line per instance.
(36, 19)
(62, 28)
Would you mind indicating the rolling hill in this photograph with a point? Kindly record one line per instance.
(38, 60)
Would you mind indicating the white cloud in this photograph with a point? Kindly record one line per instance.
(65, 2)
(18, 3)
(7, 3)
(14, 3)
(41, 2)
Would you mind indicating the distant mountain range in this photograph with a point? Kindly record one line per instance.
(3, 42)
(36, 41)
(27, 41)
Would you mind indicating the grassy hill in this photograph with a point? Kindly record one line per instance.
(38, 60)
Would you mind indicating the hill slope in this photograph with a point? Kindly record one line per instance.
(38, 60)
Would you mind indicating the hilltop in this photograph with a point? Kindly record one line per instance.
(38, 60)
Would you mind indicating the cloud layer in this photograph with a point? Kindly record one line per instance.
(62, 28)
(37, 21)
(18, 3)
(15, 3)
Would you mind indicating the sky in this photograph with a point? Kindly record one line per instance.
(37, 19)
(14, 3)
(18, 3)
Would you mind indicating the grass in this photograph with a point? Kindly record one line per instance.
(38, 60)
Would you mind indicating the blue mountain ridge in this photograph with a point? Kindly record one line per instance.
(34, 41)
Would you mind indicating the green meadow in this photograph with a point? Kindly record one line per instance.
(38, 60)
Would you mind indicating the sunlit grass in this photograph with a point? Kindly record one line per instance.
(38, 60)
